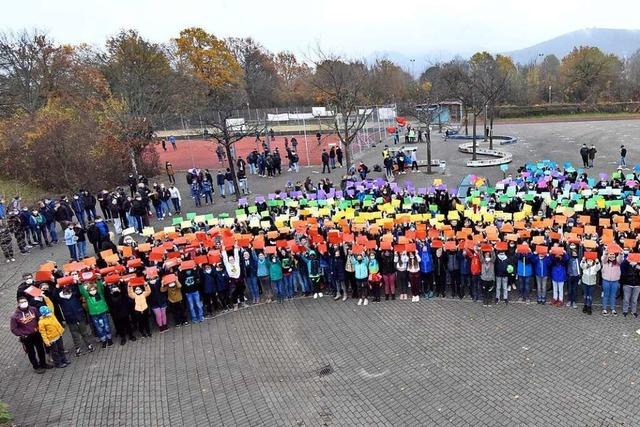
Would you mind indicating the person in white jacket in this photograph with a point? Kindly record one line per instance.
(590, 269)
(232, 265)
(175, 198)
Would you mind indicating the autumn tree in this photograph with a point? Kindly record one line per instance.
(589, 75)
(345, 86)
(261, 80)
(141, 81)
(389, 81)
(211, 61)
(295, 80)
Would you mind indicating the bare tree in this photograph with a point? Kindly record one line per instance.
(344, 85)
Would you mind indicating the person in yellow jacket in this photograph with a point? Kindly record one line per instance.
(139, 290)
(51, 331)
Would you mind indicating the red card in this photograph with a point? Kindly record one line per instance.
(591, 255)
(270, 249)
(523, 249)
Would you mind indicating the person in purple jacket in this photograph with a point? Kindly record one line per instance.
(24, 325)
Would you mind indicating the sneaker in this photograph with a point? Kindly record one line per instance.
(337, 297)
(315, 296)
(574, 305)
(104, 344)
(320, 295)
(417, 298)
(635, 315)
(615, 313)
(344, 298)
(78, 351)
(605, 313)
(366, 301)
(132, 338)
(13, 260)
(360, 301)
(568, 304)
(62, 365)
(123, 341)
(90, 348)
(110, 342)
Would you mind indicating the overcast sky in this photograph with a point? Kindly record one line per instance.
(352, 27)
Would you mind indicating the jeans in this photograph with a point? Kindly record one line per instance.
(208, 197)
(221, 189)
(91, 213)
(72, 252)
(176, 205)
(475, 287)
(573, 289)
(630, 297)
(288, 285)
(164, 206)
(558, 290)
(231, 187)
(541, 287)
(278, 288)
(610, 288)
(158, 209)
(302, 280)
(51, 229)
(101, 326)
(80, 216)
(137, 223)
(81, 249)
(252, 284)
(465, 283)
(524, 284)
(623, 161)
(587, 292)
(196, 200)
(502, 288)
(195, 306)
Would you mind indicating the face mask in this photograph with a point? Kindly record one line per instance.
(37, 298)
(65, 295)
(29, 281)
(93, 292)
(23, 305)
(172, 285)
(488, 259)
(359, 258)
(44, 288)
(502, 257)
(208, 270)
(372, 257)
(138, 291)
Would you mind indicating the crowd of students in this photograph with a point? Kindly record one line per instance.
(553, 232)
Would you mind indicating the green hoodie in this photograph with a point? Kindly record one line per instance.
(96, 304)
(275, 269)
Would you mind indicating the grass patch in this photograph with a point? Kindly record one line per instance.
(9, 189)
(5, 416)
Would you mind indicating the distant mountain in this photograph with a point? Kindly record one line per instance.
(623, 43)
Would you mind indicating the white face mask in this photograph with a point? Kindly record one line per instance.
(172, 285)
(138, 291)
(23, 305)
(65, 295)
(208, 270)
(37, 298)
(29, 281)
(93, 292)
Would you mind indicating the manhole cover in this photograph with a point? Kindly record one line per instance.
(325, 370)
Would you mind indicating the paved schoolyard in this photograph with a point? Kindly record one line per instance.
(437, 362)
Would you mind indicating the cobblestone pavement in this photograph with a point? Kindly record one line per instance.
(309, 362)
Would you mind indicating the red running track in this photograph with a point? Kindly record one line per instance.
(201, 153)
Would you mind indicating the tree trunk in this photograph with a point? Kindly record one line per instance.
(232, 167)
(491, 128)
(466, 122)
(428, 135)
(484, 127)
(133, 162)
(475, 144)
(347, 154)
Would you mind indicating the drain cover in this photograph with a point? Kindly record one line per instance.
(325, 370)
